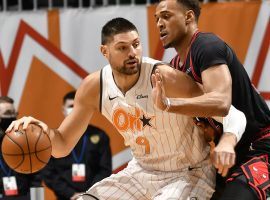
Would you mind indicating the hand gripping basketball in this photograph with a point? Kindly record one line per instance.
(25, 121)
(26, 148)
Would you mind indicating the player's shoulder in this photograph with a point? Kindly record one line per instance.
(207, 38)
(207, 43)
(149, 61)
(90, 88)
(207, 35)
(92, 80)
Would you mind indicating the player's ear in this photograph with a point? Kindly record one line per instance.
(64, 110)
(104, 50)
(190, 16)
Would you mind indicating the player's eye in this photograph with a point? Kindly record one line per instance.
(136, 44)
(166, 16)
(122, 48)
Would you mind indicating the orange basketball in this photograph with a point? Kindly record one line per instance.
(26, 151)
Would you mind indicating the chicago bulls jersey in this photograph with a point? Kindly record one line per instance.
(159, 140)
(245, 97)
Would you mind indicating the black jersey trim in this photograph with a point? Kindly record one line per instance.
(101, 89)
(177, 63)
(86, 194)
(174, 62)
(196, 77)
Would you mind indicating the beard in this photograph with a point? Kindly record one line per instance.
(124, 69)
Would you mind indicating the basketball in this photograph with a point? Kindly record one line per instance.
(26, 151)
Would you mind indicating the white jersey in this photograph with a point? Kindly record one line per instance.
(159, 140)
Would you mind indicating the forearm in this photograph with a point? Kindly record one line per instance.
(228, 138)
(59, 145)
(209, 104)
(70, 131)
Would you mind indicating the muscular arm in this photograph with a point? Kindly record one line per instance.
(73, 126)
(203, 102)
(213, 100)
(178, 86)
(86, 102)
(176, 83)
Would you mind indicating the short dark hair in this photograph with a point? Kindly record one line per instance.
(193, 5)
(6, 99)
(69, 95)
(116, 26)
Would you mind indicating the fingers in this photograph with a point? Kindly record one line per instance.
(10, 127)
(158, 90)
(158, 75)
(154, 80)
(219, 165)
(223, 161)
(160, 87)
(25, 121)
(44, 127)
(225, 171)
(16, 124)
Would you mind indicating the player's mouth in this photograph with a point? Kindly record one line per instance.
(132, 62)
(163, 35)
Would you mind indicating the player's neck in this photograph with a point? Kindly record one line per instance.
(184, 45)
(125, 82)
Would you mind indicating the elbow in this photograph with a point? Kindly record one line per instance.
(60, 153)
(224, 109)
(222, 104)
(225, 105)
(56, 155)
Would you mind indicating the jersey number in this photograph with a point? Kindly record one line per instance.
(143, 141)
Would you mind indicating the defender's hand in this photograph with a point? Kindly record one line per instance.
(158, 91)
(223, 156)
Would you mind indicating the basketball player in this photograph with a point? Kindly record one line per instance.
(170, 155)
(210, 61)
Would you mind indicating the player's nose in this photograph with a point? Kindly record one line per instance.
(132, 52)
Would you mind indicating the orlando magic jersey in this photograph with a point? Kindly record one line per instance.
(159, 140)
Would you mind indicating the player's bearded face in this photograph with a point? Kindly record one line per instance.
(130, 66)
(126, 53)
